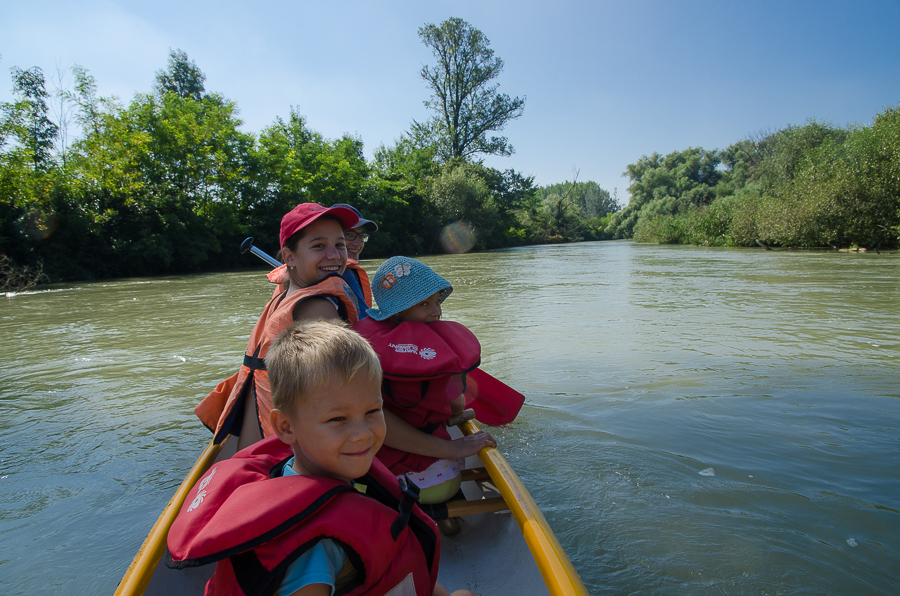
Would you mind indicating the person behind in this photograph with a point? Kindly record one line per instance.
(424, 361)
(309, 511)
(355, 276)
(314, 251)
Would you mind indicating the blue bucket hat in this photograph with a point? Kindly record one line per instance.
(401, 283)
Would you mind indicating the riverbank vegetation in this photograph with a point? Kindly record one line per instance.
(803, 186)
(169, 182)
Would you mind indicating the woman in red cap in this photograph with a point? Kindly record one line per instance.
(314, 252)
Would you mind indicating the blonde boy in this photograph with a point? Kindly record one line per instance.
(309, 510)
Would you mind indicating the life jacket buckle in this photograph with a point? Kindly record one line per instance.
(409, 489)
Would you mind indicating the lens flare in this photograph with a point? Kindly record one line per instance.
(458, 237)
(36, 225)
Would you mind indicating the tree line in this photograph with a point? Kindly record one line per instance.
(813, 185)
(93, 187)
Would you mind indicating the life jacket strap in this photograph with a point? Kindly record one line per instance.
(254, 362)
(431, 427)
(410, 498)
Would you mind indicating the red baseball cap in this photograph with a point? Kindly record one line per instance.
(305, 213)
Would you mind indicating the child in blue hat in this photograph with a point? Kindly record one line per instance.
(424, 361)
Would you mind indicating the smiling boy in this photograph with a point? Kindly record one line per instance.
(309, 511)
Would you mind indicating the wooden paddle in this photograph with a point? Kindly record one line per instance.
(494, 402)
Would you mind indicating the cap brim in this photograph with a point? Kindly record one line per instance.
(346, 216)
(368, 224)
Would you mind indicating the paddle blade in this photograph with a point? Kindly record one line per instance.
(494, 402)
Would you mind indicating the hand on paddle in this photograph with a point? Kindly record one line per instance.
(470, 445)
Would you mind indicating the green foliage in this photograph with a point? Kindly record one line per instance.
(466, 102)
(27, 119)
(169, 183)
(811, 185)
(769, 161)
(845, 192)
(459, 193)
(590, 200)
(679, 181)
(488, 200)
(295, 165)
(183, 77)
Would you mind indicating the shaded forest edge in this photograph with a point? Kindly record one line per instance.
(93, 188)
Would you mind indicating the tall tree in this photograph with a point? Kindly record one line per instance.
(466, 102)
(183, 77)
(38, 132)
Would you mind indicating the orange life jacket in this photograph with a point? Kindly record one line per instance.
(279, 275)
(222, 410)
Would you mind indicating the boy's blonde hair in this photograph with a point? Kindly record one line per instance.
(309, 355)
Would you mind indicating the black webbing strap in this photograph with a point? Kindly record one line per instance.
(430, 427)
(254, 362)
(410, 498)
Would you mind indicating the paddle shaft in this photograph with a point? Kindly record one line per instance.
(248, 245)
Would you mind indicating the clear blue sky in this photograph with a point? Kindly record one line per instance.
(606, 82)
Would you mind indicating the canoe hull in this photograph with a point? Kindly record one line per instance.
(503, 554)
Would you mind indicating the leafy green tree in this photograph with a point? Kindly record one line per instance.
(590, 200)
(459, 193)
(770, 160)
(844, 192)
(679, 181)
(182, 77)
(297, 165)
(466, 101)
(36, 132)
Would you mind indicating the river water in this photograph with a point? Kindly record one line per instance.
(698, 421)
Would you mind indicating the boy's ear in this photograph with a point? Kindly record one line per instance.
(284, 428)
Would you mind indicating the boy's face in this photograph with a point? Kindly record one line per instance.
(427, 311)
(339, 430)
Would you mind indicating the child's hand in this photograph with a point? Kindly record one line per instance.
(471, 445)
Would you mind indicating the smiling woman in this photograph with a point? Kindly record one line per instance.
(315, 255)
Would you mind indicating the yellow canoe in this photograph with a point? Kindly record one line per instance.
(496, 553)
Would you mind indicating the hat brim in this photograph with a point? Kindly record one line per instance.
(380, 315)
(346, 216)
(368, 224)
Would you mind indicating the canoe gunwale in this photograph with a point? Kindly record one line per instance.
(557, 570)
(139, 573)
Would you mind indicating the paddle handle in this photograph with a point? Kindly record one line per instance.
(248, 245)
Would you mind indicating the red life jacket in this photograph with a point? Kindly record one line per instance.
(424, 366)
(253, 523)
(222, 409)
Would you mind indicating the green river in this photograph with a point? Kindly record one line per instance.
(698, 421)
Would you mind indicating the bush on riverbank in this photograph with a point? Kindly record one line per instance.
(812, 185)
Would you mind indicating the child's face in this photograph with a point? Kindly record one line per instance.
(338, 431)
(355, 246)
(320, 252)
(427, 311)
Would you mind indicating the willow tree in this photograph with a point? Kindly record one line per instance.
(465, 98)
